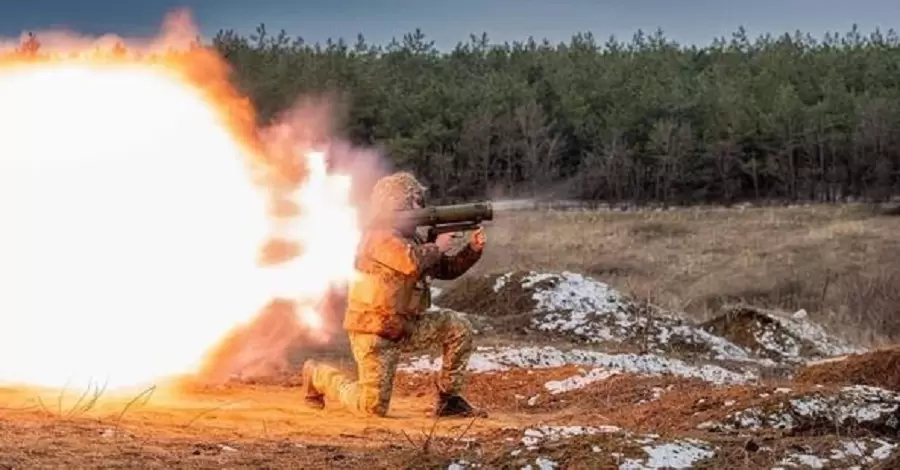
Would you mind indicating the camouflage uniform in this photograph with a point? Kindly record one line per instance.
(388, 313)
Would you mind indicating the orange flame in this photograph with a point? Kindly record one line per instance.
(136, 193)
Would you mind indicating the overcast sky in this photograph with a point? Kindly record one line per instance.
(449, 21)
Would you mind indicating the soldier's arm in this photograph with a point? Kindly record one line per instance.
(400, 255)
(450, 267)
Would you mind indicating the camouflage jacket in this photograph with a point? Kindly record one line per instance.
(392, 288)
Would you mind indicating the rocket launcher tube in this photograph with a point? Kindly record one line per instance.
(441, 219)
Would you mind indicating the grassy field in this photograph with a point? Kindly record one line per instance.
(840, 263)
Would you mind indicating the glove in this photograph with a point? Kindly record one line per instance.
(478, 239)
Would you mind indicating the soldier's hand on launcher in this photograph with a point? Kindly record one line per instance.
(477, 240)
(444, 242)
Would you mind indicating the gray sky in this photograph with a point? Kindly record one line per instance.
(449, 21)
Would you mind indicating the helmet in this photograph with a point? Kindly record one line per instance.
(397, 192)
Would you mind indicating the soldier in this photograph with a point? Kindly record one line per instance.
(386, 311)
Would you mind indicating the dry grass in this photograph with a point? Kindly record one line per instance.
(837, 262)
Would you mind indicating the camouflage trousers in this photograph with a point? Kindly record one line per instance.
(377, 359)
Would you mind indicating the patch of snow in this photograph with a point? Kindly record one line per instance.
(462, 465)
(579, 381)
(683, 453)
(487, 359)
(807, 460)
(573, 301)
(884, 450)
(773, 340)
(752, 419)
(544, 463)
(858, 451)
(532, 437)
(858, 404)
(677, 455)
(852, 449)
(868, 451)
(655, 394)
(501, 282)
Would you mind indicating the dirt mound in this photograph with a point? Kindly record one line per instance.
(577, 308)
(495, 310)
(775, 335)
(490, 295)
(880, 368)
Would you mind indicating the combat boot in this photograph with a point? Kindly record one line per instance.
(311, 397)
(452, 405)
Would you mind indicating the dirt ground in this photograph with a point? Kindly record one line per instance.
(834, 262)
(252, 426)
(243, 426)
(234, 427)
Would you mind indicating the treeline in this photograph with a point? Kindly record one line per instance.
(790, 117)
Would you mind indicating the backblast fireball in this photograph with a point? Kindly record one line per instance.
(135, 196)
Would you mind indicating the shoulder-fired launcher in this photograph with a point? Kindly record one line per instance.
(443, 219)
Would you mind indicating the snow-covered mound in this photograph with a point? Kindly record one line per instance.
(580, 308)
(873, 409)
(576, 307)
(778, 336)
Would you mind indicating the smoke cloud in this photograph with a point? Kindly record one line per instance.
(265, 347)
